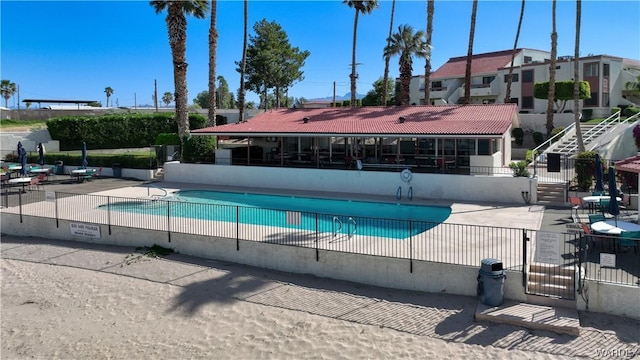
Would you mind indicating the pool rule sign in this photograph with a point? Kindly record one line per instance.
(548, 247)
(85, 230)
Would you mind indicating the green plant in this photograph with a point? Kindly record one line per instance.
(531, 155)
(538, 138)
(518, 134)
(585, 170)
(587, 114)
(199, 149)
(630, 111)
(519, 169)
(556, 131)
(615, 110)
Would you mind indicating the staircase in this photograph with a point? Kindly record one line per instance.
(551, 280)
(551, 194)
(590, 133)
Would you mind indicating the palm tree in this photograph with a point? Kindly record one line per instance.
(177, 28)
(507, 97)
(7, 89)
(213, 47)
(552, 70)
(109, 91)
(167, 98)
(467, 72)
(364, 7)
(385, 78)
(576, 79)
(427, 67)
(243, 64)
(407, 44)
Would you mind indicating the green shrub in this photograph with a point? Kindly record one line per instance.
(518, 134)
(585, 170)
(615, 110)
(538, 138)
(587, 114)
(630, 111)
(519, 169)
(168, 139)
(531, 155)
(199, 149)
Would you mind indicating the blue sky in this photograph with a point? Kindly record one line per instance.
(74, 49)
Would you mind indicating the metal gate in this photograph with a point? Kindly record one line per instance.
(552, 261)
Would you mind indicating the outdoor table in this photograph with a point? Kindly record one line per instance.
(611, 227)
(80, 174)
(24, 181)
(594, 200)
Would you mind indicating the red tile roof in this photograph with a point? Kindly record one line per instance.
(480, 64)
(631, 164)
(494, 119)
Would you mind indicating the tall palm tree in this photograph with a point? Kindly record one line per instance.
(7, 89)
(552, 70)
(243, 64)
(385, 78)
(167, 98)
(407, 44)
(507, 97)
(467, 72)
(213, 48)
(109, 91)
(176, 19)
(364, 7)
(576, 79)
(427, 67)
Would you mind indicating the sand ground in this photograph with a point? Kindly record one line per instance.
(63, 300)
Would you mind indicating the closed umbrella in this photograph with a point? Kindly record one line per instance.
(84, 155)
(614, 209)
(599, 176)
(23, 160)
(41, 154)
(19, 152)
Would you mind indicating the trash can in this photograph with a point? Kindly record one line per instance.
(59, 167)
(117, 170)
(491, 282)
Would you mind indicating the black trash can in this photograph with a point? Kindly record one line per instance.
(117, 170)
(491, 282)
(59, 167)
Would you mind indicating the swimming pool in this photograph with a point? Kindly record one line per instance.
(347, 217)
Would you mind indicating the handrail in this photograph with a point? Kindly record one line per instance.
(335, 232)
(149, 186)
(593, 132)
(548, 143)
(355, 226)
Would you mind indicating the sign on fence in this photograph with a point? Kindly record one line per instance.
(50, 196)
(85, 230)
(607, 260)
(548, 247)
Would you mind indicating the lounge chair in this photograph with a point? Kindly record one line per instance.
(35, 182)
(628, 239)
(593, 218)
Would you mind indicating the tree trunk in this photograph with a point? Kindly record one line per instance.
(385, 78)
(427, 67)
(177, 41)
(576, 80)
(552, 71)
(467, 73)
(243, 64)
(507, 97)
(353, 75)
(213, 46)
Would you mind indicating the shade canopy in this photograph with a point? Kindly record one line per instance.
(41, 154)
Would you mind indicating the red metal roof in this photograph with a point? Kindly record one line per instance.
(480, 64)
(494, 119)
(631, 164)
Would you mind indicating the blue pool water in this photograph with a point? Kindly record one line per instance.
(304, 213)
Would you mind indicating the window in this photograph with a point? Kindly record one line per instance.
(593, 101)
(527, 59)
(487, 80)
(527, 76)
(527, 102)
(484, 147)
(591, 70)
(605, 69)
(436, 85)
(514, 101)
(605, 99)
(514, 77)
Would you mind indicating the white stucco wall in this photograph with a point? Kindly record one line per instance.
(478, 188)
(611, 299)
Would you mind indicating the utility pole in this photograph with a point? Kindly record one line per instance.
(135, 102)
(334, 94)
(155, 94)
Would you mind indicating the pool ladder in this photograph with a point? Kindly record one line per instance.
(336, 220)
(149, 186)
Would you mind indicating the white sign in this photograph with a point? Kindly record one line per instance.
(548, 247)
(85, 230)
(50, 196)
(607, 260)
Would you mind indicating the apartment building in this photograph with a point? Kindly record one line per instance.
(607, 76)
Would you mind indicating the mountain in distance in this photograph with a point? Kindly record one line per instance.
(346, 96)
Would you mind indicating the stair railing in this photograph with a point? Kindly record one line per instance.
(610, 135)
(569, 130)
(593, 132)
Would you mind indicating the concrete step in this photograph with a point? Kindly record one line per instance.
(558, 319)
(551, 269)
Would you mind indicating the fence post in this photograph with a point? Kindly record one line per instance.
(55, 198)
(524, 258)
(109, 213)
(169, 220)
(20, 204)
(237, 228)
(410, 247)
(317, 250)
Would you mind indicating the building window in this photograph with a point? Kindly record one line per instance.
(605, 99)
(484, 147)
(487, 80)
(514, 101)
(605, 69)
(593, 101)
(527, 76)
(591, 70)
(436, 85)
(527, 59)
(514, 78)
(527, 102)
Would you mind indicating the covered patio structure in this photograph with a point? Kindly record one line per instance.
(451, 139)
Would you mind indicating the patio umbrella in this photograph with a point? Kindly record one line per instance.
(614, 209)
(41, 154)
(19, 152)
(23, 160)
(84, 155)
(599, 181)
